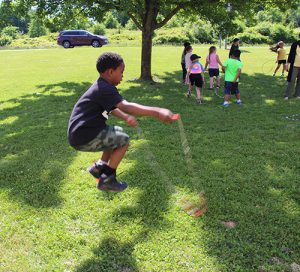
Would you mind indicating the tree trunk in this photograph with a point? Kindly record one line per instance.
(147, 35)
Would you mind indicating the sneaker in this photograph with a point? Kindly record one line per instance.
(110, 184)
(298, 97)
(286, 98)
(96, 169)
(225, 105)
(188, 94)
(198, 101)
(218, 87)
(239, 102)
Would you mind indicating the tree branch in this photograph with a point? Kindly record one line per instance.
(169, 16)
(135, 21)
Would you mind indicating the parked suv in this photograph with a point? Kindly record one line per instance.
(71, 38)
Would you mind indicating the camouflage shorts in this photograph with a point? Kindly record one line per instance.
(110, 138)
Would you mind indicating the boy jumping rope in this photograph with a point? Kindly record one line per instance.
(232, 68)
(88, 130)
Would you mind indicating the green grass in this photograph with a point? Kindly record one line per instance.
(246, 160)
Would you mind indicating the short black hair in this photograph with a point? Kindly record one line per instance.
(186, 44)
(236, 40)
(236, 53)
(107, 61)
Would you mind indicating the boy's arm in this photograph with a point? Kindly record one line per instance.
(237, 75)
(218, 60)
(124, 116)
(162, 114)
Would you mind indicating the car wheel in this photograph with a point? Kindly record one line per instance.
(66, 44)
(96, 43)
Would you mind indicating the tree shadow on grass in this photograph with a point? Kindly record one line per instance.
(111, 256)
(35, 152)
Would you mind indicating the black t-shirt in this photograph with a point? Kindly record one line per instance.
(91, 112)
(233, 48)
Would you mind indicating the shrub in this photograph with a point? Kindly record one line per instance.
(131, 25)
(281, 33)
(175, 35)
(11, 31)
(264, 28)
(201, 32)
(98, 29)
(36, 28)
(252, 38)
(111, 21)
(5, 39)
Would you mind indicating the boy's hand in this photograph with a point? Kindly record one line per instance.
(166, 116)
(131, 121)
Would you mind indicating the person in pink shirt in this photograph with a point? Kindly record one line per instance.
(213, 62)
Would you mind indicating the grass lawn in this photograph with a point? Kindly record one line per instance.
(245, 159)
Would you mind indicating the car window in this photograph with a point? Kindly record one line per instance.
(81, 33)
(70, 33)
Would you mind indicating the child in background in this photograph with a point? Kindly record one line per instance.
(196, 76)
(232, 68)
(188, 62)
(235, 46)
(88, 131)
(281, 57)
(183, 62)
(213, 62)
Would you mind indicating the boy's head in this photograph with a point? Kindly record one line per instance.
(235, 54)
(194, 57)
(186, 44)
(111, 67)
(236, 41)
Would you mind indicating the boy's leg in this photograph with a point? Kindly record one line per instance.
(116, 156)
(106, 156)
(227, 91)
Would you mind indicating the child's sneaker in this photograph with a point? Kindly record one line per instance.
(198, 101)
(110, 184)
(239, 102)
(286, 98)
(225, 104)
(188, 94)
(96, 169)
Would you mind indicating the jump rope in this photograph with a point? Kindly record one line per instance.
(194, 208)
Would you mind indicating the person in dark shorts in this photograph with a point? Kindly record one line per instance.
(196, 77)
(232, 68)
(213, 62)
(281, 57)
(88, 131)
